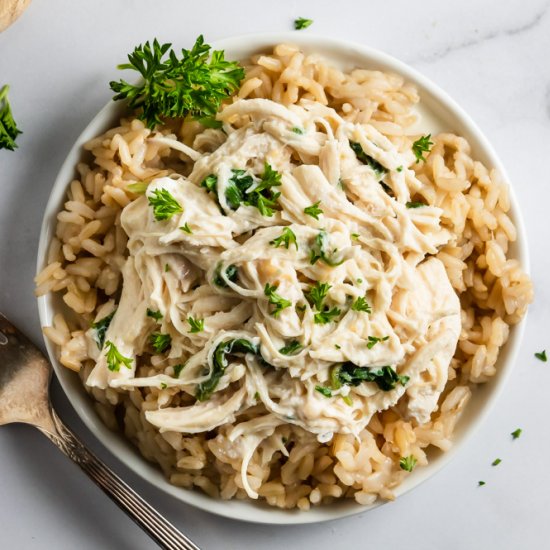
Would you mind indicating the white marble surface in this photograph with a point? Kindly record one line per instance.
(494, 60)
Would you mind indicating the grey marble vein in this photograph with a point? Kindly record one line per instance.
(518, 29)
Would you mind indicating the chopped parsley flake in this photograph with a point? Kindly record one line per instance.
(156, 315)
(480, 483)
(299, 131)
(115, 359)
(291, 348)
(407, 463)
(541, 356)
(319, 251)
(275, 299)
(373, 340)
(337, 346)
(177, 369)
(361, 304)
(160, 342)
(314, 211)
(375, 166)
(286, 238)
(163, 385)
(355, 235)
(166, 268)
(420, 146)
(197, 325)
(326, 316)
(139, 187)
(101, 327)
(416, 204)
(516, 433)
(496, 462)
(302, 23)
(185, 227)
(399, 168)
(231, 273)
(327, 392)
(164, 204)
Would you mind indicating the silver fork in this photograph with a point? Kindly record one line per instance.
(24, 397)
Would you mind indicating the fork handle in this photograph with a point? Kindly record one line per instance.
(142, 513)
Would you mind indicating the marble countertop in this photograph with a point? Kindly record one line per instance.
(491, 56)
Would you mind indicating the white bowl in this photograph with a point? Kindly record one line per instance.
(439, 112)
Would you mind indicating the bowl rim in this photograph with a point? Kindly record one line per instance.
(245, 510)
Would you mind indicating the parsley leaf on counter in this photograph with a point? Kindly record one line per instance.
(115, 359)
(164, 204)
(420, 146)
(8, 127)
(541, 356)
(516, 433)
(496, 462)
(407, 463)
(480, 483)
(302, 23)
(194, 84)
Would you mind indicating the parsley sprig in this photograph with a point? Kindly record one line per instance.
(361, 304)
(197, 325)
(115, 359)
(317, 293)
(376, 167)
(8, 128)
(373, 340)
(286, 238)
(275, 299)
(319, 251)
(314, 211)
(420, 146)
(160, 342)
(156, 315)
(291, 348)
(194, 84)
(164, 204)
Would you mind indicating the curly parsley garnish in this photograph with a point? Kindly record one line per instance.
(194, 84)
(160, 342)
(156, 315)
(302, 23)
(420, 146)
(197, 325)
(275, 299)
(286, 238)
(8, 128)
(326, 316)
(314, 211)
(407, 463)
(115, 359)
(164, 204)
(361, 304)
